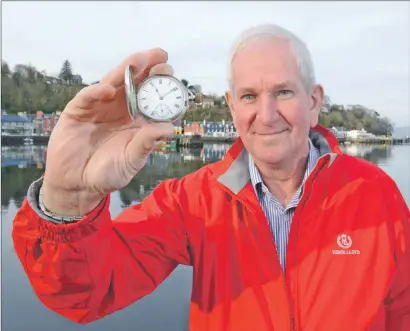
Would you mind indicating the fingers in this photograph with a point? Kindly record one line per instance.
(161, 69)
(103, 91)
(88, 96)
(144, 142)
(141, 63)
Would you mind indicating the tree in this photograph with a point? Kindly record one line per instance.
(189, 87)
(382, 126)
(185, 82)
(218, 101)
(28, 72)
(359, 111)
(198, 88)
(192, 91)
(387, 126)
(326, 104)
(335, 119)
(24, 89)
(17, 78)
(5, 70)
(32, 74)
(7, 95)
(335, 107)
(66, 72)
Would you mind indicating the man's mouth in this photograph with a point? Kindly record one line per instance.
(270, 133)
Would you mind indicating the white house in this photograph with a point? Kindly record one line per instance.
(355, 134)
(14, 124)
(339, 132)
(208, 102)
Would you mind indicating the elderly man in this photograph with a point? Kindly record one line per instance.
(285, 233)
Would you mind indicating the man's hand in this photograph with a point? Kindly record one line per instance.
(96, 148)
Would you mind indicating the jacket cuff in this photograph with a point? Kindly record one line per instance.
(51, 229)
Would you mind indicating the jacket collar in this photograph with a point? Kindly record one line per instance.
(233, 170)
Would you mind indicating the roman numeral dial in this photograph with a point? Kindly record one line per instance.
(162, 98)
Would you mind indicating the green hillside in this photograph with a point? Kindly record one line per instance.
(25, 89)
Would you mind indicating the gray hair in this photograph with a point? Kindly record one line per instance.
(297, 47)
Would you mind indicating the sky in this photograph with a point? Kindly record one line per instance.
(361, 50)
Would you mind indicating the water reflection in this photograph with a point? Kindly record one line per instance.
(376, 154)
(23, 164)
(169, 164)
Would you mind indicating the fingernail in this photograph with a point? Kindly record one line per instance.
(163, 50)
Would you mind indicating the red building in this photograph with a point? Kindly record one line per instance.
(194, 128)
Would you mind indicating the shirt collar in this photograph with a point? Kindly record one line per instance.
(256, 177)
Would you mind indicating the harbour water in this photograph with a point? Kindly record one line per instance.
(167, 308)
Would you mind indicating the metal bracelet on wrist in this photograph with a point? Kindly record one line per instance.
(57, 217)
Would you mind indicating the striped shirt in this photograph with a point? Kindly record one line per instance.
(280, 218)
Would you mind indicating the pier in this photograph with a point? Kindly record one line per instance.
(198, 140)
(188, 141)
(378, 141)
(13, 140)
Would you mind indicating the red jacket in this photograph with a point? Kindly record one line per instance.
(348, 258)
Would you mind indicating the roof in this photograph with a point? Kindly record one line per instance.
(219, 123)
(31, 117)
(14, 118)
(338, 128)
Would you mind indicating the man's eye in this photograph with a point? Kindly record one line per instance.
(285, 93)
(248, 97)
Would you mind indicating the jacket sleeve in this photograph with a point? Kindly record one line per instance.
(397, 302)
(92, 268)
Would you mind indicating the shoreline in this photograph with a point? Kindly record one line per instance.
(7, 140)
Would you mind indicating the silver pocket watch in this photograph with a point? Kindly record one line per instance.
(158, 98)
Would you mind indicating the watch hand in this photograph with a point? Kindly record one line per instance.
(174, 89)
(155, 88)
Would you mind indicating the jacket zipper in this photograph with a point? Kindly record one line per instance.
(291, 304)
(295, 224)
(291, 315)
(302, 202)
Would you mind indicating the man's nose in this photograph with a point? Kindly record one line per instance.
(267, 112)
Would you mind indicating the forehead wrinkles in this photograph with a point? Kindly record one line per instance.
(264, 65)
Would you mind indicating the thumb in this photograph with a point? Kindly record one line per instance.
(145, 140)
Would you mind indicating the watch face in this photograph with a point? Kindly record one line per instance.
(162, 98)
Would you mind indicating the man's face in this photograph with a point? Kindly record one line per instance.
(270, 107)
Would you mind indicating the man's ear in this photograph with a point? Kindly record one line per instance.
(228, 98)
(229, 102)
(317, 97)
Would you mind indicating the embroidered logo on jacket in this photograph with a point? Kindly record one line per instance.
(344, 241)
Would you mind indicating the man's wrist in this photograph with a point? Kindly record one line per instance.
(69, 205)
(33, 201)
(57, 217)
